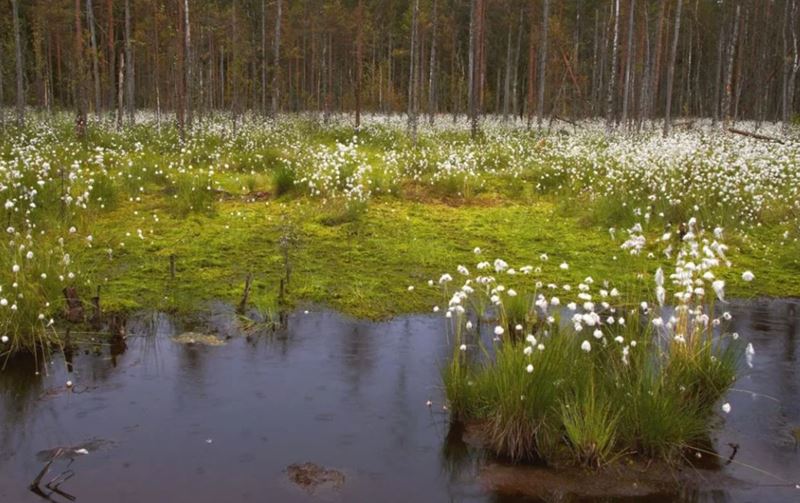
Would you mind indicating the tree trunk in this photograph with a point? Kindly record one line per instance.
(718, 74)
(628, 63)
(120, 88)
(359, 62)
(543, 62)
(656, 66)
(187, 65)
(129, 75)
(80, 94)
(731, 51)
(95, 64)
(2, 103)
(473, 8)
(671, 68)
(111, 54)
(263, 57)
(412, 74)
(276, 70)
(515, 77)
(180, 80)
(20, 76)
(795, 57)
(613, 76)
(507, 83)
(432, 66)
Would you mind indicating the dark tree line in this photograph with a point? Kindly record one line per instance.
(625, 60)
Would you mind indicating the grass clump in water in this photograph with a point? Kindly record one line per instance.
(600, 379)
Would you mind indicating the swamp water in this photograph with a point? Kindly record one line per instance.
(334, 409)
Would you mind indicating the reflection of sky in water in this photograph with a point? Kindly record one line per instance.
(345, 394)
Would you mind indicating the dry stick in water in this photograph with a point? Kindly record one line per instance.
(246, 295)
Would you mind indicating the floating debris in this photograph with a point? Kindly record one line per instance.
(311, 476)
(72, 451)
(192, 338)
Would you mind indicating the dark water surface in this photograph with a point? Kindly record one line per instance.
(164, 421)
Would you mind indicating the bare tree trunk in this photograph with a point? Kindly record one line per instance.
(656, 67)
(359, 62)
(718, 74)
(515, 78)
(180, 109)
(129, 75)
(412, 74)
(671, 68)
(628, 63)
(473, 7)
(276, 55)
(187, 65)
(613, 76)
(543, 62)
(20, 76)
(95, 64)
(507, 82)
(120, 87)
(728, 90)
(432, 66)
(263, 57)
(795, 57)
(2, 103)
(111, 55)
(531, 70)
(644, 90)
(80, 94)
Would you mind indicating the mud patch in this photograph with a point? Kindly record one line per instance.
(621, 481)
(311, 477)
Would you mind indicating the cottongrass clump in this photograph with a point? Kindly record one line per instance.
(597, 380)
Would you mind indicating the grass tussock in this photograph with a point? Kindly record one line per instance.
(591, 382)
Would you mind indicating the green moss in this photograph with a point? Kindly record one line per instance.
(364, 267)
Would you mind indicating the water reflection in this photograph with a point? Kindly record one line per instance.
(199, 423)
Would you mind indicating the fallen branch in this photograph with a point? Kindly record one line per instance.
(755, 135)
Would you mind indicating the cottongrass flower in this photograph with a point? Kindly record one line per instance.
(498, 330)
(529, 368)
(564, 266)
(726, 408)
(586, 346)
(748, 276)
